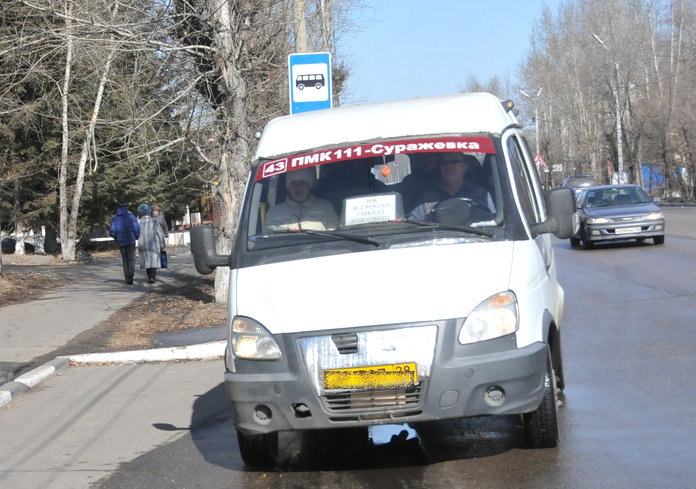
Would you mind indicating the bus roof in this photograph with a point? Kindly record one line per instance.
(451, 114)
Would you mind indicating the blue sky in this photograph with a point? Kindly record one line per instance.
(417, 48)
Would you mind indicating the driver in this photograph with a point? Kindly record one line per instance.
(451, 184)
(301, 210)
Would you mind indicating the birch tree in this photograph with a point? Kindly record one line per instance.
(113, 52)
(221, 67)
(69, 213)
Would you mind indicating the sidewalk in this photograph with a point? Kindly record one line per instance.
(40, 326)
(73, 420)
(84, 422)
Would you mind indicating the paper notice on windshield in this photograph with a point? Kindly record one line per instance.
(372, 208)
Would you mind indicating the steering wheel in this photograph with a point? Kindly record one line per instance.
(459, 211)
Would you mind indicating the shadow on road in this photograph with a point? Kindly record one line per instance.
(213, 433)
(348, 457)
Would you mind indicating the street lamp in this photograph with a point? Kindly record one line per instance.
(619, 126)
(536, 114)
(536, 129)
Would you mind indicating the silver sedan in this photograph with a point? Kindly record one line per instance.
(617, 212)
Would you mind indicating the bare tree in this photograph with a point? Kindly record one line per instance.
(193, 78)
(240, 51)
(615, 84)
(148, 90)
(69, 214)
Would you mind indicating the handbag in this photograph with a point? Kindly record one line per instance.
(163, 259)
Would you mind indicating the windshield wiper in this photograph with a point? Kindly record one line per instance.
(327, 234)
(336, 234)
(437, 225)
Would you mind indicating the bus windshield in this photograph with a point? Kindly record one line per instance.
(448, 180)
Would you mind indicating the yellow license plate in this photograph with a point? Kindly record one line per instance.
(375, 377)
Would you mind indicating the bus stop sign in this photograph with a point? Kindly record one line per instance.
(310, 81)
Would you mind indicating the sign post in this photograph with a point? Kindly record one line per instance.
(310, 82)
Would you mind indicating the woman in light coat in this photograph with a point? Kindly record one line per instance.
(151, 242)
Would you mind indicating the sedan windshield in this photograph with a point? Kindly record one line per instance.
(613, 196)
(377, 189)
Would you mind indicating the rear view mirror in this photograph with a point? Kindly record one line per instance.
(203, 250)
(560, 213)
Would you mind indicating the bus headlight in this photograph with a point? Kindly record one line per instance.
(496, 316)
(251, 341)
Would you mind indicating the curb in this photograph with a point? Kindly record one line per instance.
(203, 351)
(676, 204)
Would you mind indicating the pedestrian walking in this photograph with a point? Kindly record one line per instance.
(125, 230)
(159, 215)
(151, 242)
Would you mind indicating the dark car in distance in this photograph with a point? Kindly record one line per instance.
(617, 212)
(579, 182)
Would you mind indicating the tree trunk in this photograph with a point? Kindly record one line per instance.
(69, 217)
(235, 151)
(298, 13)
(67, 245)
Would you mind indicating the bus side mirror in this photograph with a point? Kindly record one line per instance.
(203, 250)
(560, 213)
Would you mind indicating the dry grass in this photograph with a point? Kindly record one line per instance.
(187, 307)
(18, 287)
(25, 284)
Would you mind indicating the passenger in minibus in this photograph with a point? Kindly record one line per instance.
(301, 209)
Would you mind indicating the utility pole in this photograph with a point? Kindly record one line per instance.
(536, 128)
(619, 125)
(536, 113)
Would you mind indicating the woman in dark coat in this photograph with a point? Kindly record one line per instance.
(151, 242)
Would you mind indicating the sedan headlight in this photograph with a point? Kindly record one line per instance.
(654, 216)
(494, 317)
(597, 220)
(252, 341)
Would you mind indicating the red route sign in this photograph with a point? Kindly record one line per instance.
(474, 144)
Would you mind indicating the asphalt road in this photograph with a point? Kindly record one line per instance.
(629, 420)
